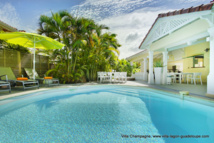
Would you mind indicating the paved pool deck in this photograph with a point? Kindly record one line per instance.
(198, 91)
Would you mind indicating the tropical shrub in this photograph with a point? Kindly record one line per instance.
(6, 45)
(136, 67)
(124, 66)
(158, 63)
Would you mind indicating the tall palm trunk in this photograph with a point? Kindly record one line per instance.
(75, 60)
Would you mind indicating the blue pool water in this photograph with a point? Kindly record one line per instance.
(104, 114)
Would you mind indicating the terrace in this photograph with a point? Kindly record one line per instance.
(196, 91)
(183, 48)
(114, 109)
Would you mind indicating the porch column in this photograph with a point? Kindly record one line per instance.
(210, 77)
(145, 76)
(151, 76)
(165, 59)
(141, 70)
(131, 63)
(141, 66)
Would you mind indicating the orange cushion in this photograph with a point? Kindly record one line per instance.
(47, 77)
(22, 78)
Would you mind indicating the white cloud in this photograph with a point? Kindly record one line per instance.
(131, 28)
(129, 19)
(193, 1)
(9, 15)
(99, 9)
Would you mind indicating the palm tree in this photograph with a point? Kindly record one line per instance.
(57, 27)
(87, 49)
(103, 52)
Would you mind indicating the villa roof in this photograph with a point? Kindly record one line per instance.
(179, 12)
(7, 28)
(139, 53)
(22, 31)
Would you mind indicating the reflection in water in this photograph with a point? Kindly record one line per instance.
(99, 114)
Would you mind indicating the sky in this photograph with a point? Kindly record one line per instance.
(129, 19)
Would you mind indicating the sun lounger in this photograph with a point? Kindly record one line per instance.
(49, 82)
(7, 75)
(3, 84)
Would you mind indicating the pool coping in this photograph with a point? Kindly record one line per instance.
(193, 98)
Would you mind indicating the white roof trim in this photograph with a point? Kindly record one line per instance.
(167, 25)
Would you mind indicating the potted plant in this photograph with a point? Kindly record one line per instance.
(158, 69)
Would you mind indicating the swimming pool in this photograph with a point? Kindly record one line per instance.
(104, 114)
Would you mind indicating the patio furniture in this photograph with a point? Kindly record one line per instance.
(169, 80)
(98, 75)
(123, 76)
(194, 77)
(185, 75)
(31, 40)
(175, 77)
(171, 77)
(103, 76)
(117, 77)
(49, 82)
(109, 76)
(8, 76)
(7, 84)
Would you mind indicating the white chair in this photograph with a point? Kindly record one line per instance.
(184, 76)
(102, 76)
(98, 75)
(109, 76)
(171, 77)
(116, 76)
(123, 76)
(194, 77)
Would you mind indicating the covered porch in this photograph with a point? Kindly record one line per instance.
(184, 41)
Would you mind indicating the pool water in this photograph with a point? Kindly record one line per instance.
(104, 114)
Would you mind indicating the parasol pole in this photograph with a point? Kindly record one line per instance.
(34, 58)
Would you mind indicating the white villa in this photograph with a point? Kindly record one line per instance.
(184, 41)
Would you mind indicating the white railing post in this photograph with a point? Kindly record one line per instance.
(131, 63)
(165, 58)
(210, 77)
(151, 76)
(145, 76)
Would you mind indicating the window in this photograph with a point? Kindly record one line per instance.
(198, 61)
